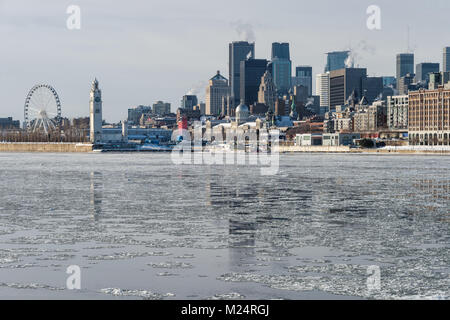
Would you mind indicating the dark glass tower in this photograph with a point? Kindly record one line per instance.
(238, 51)
(336, 60)
(280, 51)
(251, 73)
(423, 71)
(405, 65)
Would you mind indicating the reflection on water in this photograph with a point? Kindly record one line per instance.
(199, 231)
(96, 179)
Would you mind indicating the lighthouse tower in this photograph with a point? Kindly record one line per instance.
(96, 113)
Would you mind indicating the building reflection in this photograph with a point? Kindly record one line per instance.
(96, 195)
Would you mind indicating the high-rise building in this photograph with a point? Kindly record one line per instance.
(446, 60)
(424, 69)
(389, 82)
(161, 108)
(429, 118)
(96, 119)
(238, 51)
(323, 89)
(216, 90)
(251, 72)
(397, 117)
(267, 92)
(373, 88)
(303, 77)
(280, 51)
(282, 75)
(188, 102)
(135, 114)
(344, 82)
(281, 67)
(438, 79)
(404, 83)
(405, 65)
(336, 60)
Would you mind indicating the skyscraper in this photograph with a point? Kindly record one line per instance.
(405, 65)
(189, 102)
(343, 82)
(282, 75)
(336, 60)
(95, 108)
(423, 71)
(238, 51)
(251, 72)
(303, 77)
(280, 51)
(281, 67)
(323, 89)
(446, 62)
(267, 92)
(215, 92)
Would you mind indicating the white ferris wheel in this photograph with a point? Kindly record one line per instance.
(42, 110)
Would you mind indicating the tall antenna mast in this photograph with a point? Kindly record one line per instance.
(408, 49)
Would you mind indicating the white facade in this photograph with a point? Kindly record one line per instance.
(398, 112)
(323, 89)
(96, 120)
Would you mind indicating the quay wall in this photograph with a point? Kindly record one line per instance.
(45, 147)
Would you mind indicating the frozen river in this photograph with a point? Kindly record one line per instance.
(327, 226)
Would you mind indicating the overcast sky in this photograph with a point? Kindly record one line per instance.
(147, 50)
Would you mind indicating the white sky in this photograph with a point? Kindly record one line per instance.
(147, 50)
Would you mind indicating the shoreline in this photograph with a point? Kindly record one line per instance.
(55, 147)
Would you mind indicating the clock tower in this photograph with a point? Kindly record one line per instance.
(96, 120)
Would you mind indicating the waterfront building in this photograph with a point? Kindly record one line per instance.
(429, 117)
(308, 139)
(397, 113)
(267, 92)
(161, 108)
(252, 71)
(96, 119)
(323, 90)
(405, 65)
(336, 60)
(340, 139)
(215, 92)
(344, 82)
(238, 51)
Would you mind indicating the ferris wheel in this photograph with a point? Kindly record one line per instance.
(42, 110)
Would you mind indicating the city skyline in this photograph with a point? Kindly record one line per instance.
(40, 49)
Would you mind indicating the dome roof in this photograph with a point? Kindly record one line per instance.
(242, 108)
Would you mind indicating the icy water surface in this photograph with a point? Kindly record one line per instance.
(142, 228)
